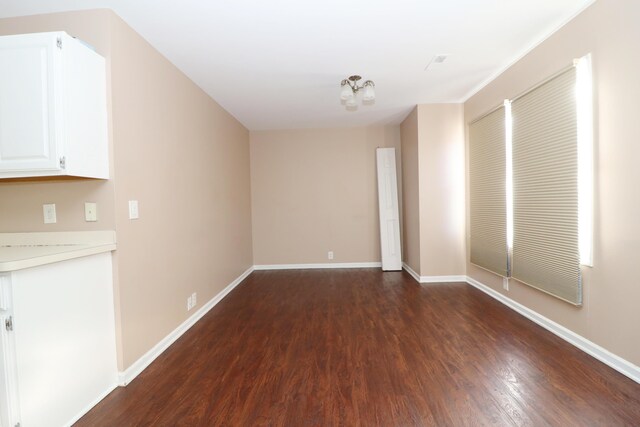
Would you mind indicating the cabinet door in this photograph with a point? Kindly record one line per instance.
(9, 410)
(65, 341)
(28, 67)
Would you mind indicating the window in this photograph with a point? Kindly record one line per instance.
(542, 227)
(487, 171)
(545, 188)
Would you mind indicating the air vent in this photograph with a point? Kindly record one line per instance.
(437, 59)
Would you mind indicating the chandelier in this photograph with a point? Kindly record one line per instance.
(350, 89)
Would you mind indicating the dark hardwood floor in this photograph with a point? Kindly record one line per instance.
(365, 348)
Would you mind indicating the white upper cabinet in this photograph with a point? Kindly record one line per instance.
(53, 107)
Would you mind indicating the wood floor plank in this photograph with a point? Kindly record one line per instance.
(365, 348)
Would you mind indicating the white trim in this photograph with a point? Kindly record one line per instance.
(90, 406)
(616, 362)
(139, 365)
(521, 55)
(433, 279)
(318, 265)
(605, 356)
(409, 270)
(442, 279)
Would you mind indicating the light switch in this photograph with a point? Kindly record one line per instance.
(49, 212)
(90, 212)
(133, 209)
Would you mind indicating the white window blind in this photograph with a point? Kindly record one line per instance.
(487, 172)
(545, 252)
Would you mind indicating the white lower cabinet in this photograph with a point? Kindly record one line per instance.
(57, 341)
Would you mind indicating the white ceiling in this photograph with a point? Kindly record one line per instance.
(278, 64)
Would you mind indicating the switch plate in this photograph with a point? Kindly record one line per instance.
(90, 212)
(133, 209)
(49, 212)
(330, 255)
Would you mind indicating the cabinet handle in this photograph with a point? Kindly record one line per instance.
(8, 323)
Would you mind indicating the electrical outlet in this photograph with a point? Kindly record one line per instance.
(191, 301)
(505, 283)
(49, 212)
(330, 255)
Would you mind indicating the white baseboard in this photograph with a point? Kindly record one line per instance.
(442, 279)
(605, 356)
(318, 265)
(91, 405)
(139, 365)
(432, 279)
(409, 270)
(616, 362)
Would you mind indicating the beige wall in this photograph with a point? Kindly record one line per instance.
(21, 202)
(315, 191)
(610, 31)
(410, 192)
(186, 161)
(178, 153)
(434, 189)
(442, 189)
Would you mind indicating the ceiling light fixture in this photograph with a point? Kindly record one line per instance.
(350, 89)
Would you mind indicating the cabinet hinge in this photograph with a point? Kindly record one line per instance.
(8, 323)
(63, 162)
(59, 42)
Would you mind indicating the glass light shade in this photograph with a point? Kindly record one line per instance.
(351, 101)
(369, 93)
(346, 92)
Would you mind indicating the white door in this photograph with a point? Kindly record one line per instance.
(27, 102)
(389, 211)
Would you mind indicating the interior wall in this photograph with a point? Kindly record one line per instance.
(22, 200)
(315, 191)
(186, 160)
(410, 192)
(442, 189)
(176, 151)
(609, 30)
(433, 165)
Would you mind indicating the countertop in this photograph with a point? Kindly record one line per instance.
(26, 250)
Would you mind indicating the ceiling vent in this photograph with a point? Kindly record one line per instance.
(437, 59)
